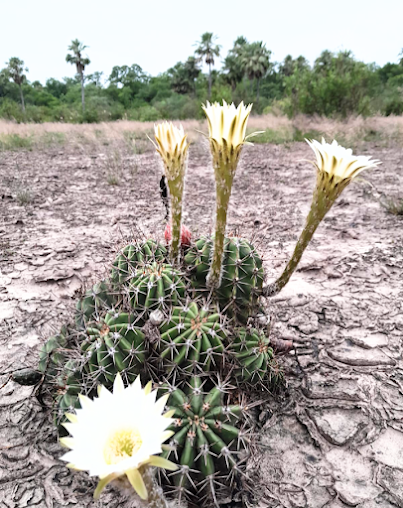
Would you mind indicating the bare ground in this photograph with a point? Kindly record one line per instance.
(334, 438)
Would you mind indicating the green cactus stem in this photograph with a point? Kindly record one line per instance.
(95, 303)
(242, 274)
(156, 286)
(255, 358)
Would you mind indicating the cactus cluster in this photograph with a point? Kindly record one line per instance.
(182, 316)
(161, 322)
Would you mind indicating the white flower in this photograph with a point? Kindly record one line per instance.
(338, 161)
(226, 123)
(117, 433)
(171, 142)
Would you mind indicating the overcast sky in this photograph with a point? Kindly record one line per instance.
(156, 34)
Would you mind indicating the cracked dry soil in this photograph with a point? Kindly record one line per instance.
(334, 438)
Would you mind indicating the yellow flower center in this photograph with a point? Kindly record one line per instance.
(121, 445)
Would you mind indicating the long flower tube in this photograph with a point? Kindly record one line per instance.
(336, 167)
(119, 434)
(172, 146)
(227, 129)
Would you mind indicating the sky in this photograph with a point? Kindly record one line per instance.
(159, 33)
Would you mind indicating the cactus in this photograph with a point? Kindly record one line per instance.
(97, 300)
(242, 273)
(252, 351)
(132, 256)
(192, 339)
(51, 356)
(69, 384)
(207, 436)
(156, 286)
(113, 345)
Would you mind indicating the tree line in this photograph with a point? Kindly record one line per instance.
(336, 85)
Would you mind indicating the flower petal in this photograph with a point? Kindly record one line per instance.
(137, 482)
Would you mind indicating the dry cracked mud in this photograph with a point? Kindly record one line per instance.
(334, 437)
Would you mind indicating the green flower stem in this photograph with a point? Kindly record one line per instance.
(326, 192)
(176, 186)
(156, 498)
(224, 175)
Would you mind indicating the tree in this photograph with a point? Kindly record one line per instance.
(124, 75)
(256, 62)
(76, 57)
(96, 78)
(233, 67)
(15, 70)
(184, 75)
(206, 51)
(289, 65)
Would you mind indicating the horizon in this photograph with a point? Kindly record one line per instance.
(115, 49)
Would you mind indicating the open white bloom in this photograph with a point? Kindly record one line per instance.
(226, 123)
(338, 161)
(171, 141)
(117, 433)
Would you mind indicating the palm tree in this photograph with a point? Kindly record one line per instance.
(233, 63)
(77, 58)
(15, 70)
(206, 51)
(256, 63)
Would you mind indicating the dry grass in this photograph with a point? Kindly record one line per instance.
(278, 129)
